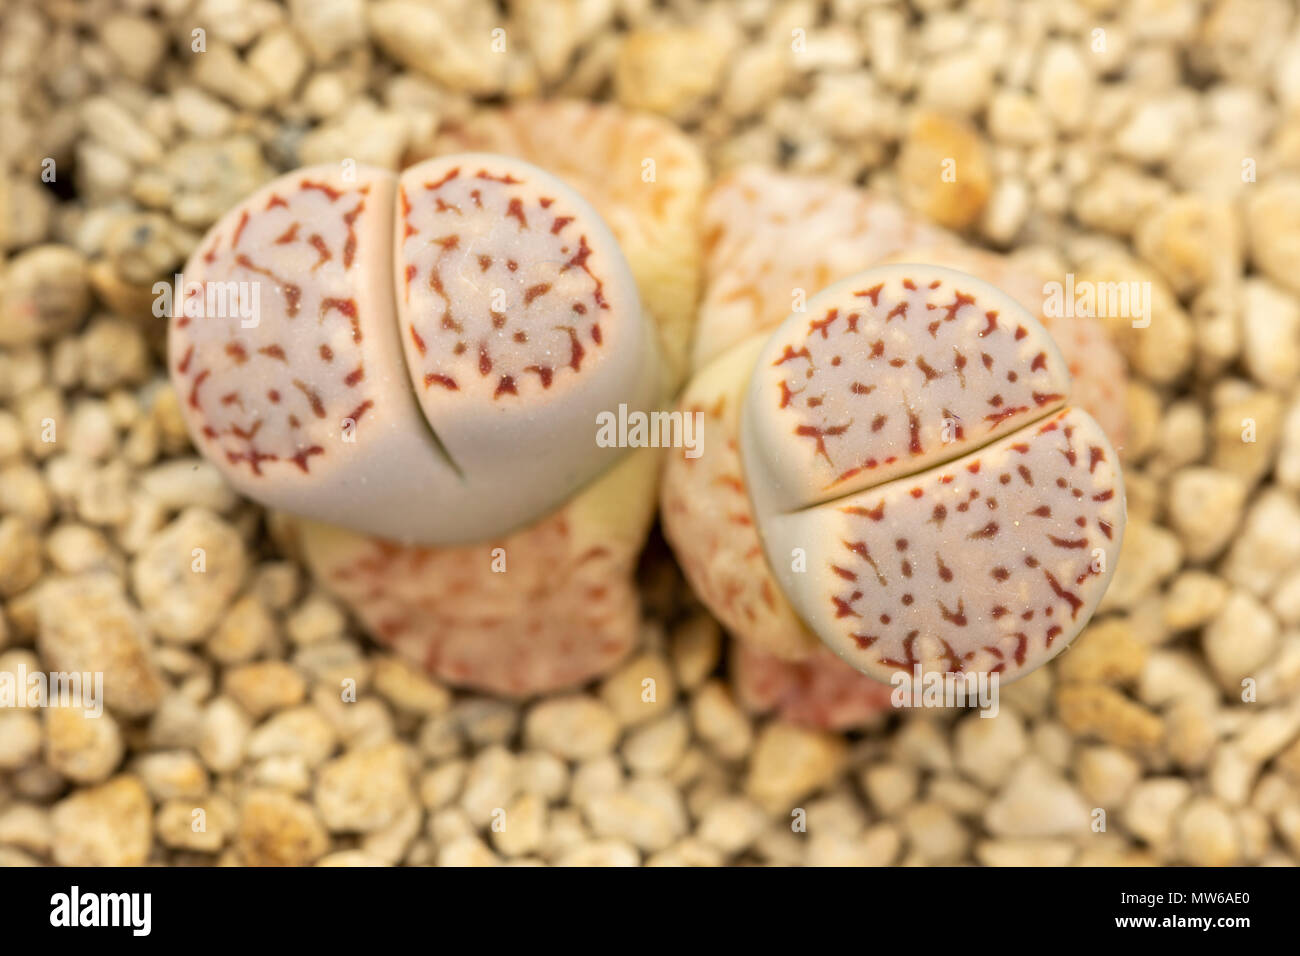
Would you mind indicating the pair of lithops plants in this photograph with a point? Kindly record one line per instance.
(889, 468)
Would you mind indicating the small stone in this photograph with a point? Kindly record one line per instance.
(944, 170)
(1064, 84)
(364, 790)
(137, 44)
(188, 574)
(441, 785)
(279, 62)
(1150, 810)
(301, 732)
(1035, 801)
(329, 27)
(491, 784)
(202, 826)
(1273, 227)
(485, 720)
(890, 786)
(107, 825)
(1190, 734)
(958, 83)
(522, 827)
(934, 834)
(265, 687)
(732, 824)
(668, 71)
(1270, 320)
(1107, 651)
(43, 295)
(20, 738)
(223, 735)
(575, 727)
(719, 722)
(409, 689)
(276, 829)
(1106, 775)
(790, 763)
(696, 647)
(26, 826)
(189, 482)
(1052, 853)
(987, 748)
(86, 624)
(1246, 431)
(116, 354)
(1240, 639)
(655, 748)
(600, 853)
(640, 690)
(316, 620)
(1148, 555)
(83, 746)
(688, 852)
(20, 555)
(1192, 599)
(1103, 712)
(244, 632)
(172, 774)
(447, 41)
(543, 774)
(1268, 545)
(1205, 506)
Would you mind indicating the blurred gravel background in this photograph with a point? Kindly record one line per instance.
(1152, 139)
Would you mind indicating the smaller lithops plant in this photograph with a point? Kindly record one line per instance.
(922, 492)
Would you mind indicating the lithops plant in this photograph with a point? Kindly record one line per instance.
(402, 345)
(911, 485)
(771, 240)
(426, 368)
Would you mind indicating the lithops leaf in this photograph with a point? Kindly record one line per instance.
(1095, 363)
(820, 691)
(520, 323)
(987, 552)
(771, 238)
(709, 520)
(546, 608)
(644, 176)
(285, 356)
(889, 373)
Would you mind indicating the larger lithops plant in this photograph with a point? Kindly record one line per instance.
(772, 240)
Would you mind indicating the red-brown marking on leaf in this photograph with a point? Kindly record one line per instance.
(823, 324)
(516, 211)
(239, 230)
(446, 381)
(317, 406)
(989, 531)
(1068, 596)
(322, 250)
(873, 294)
